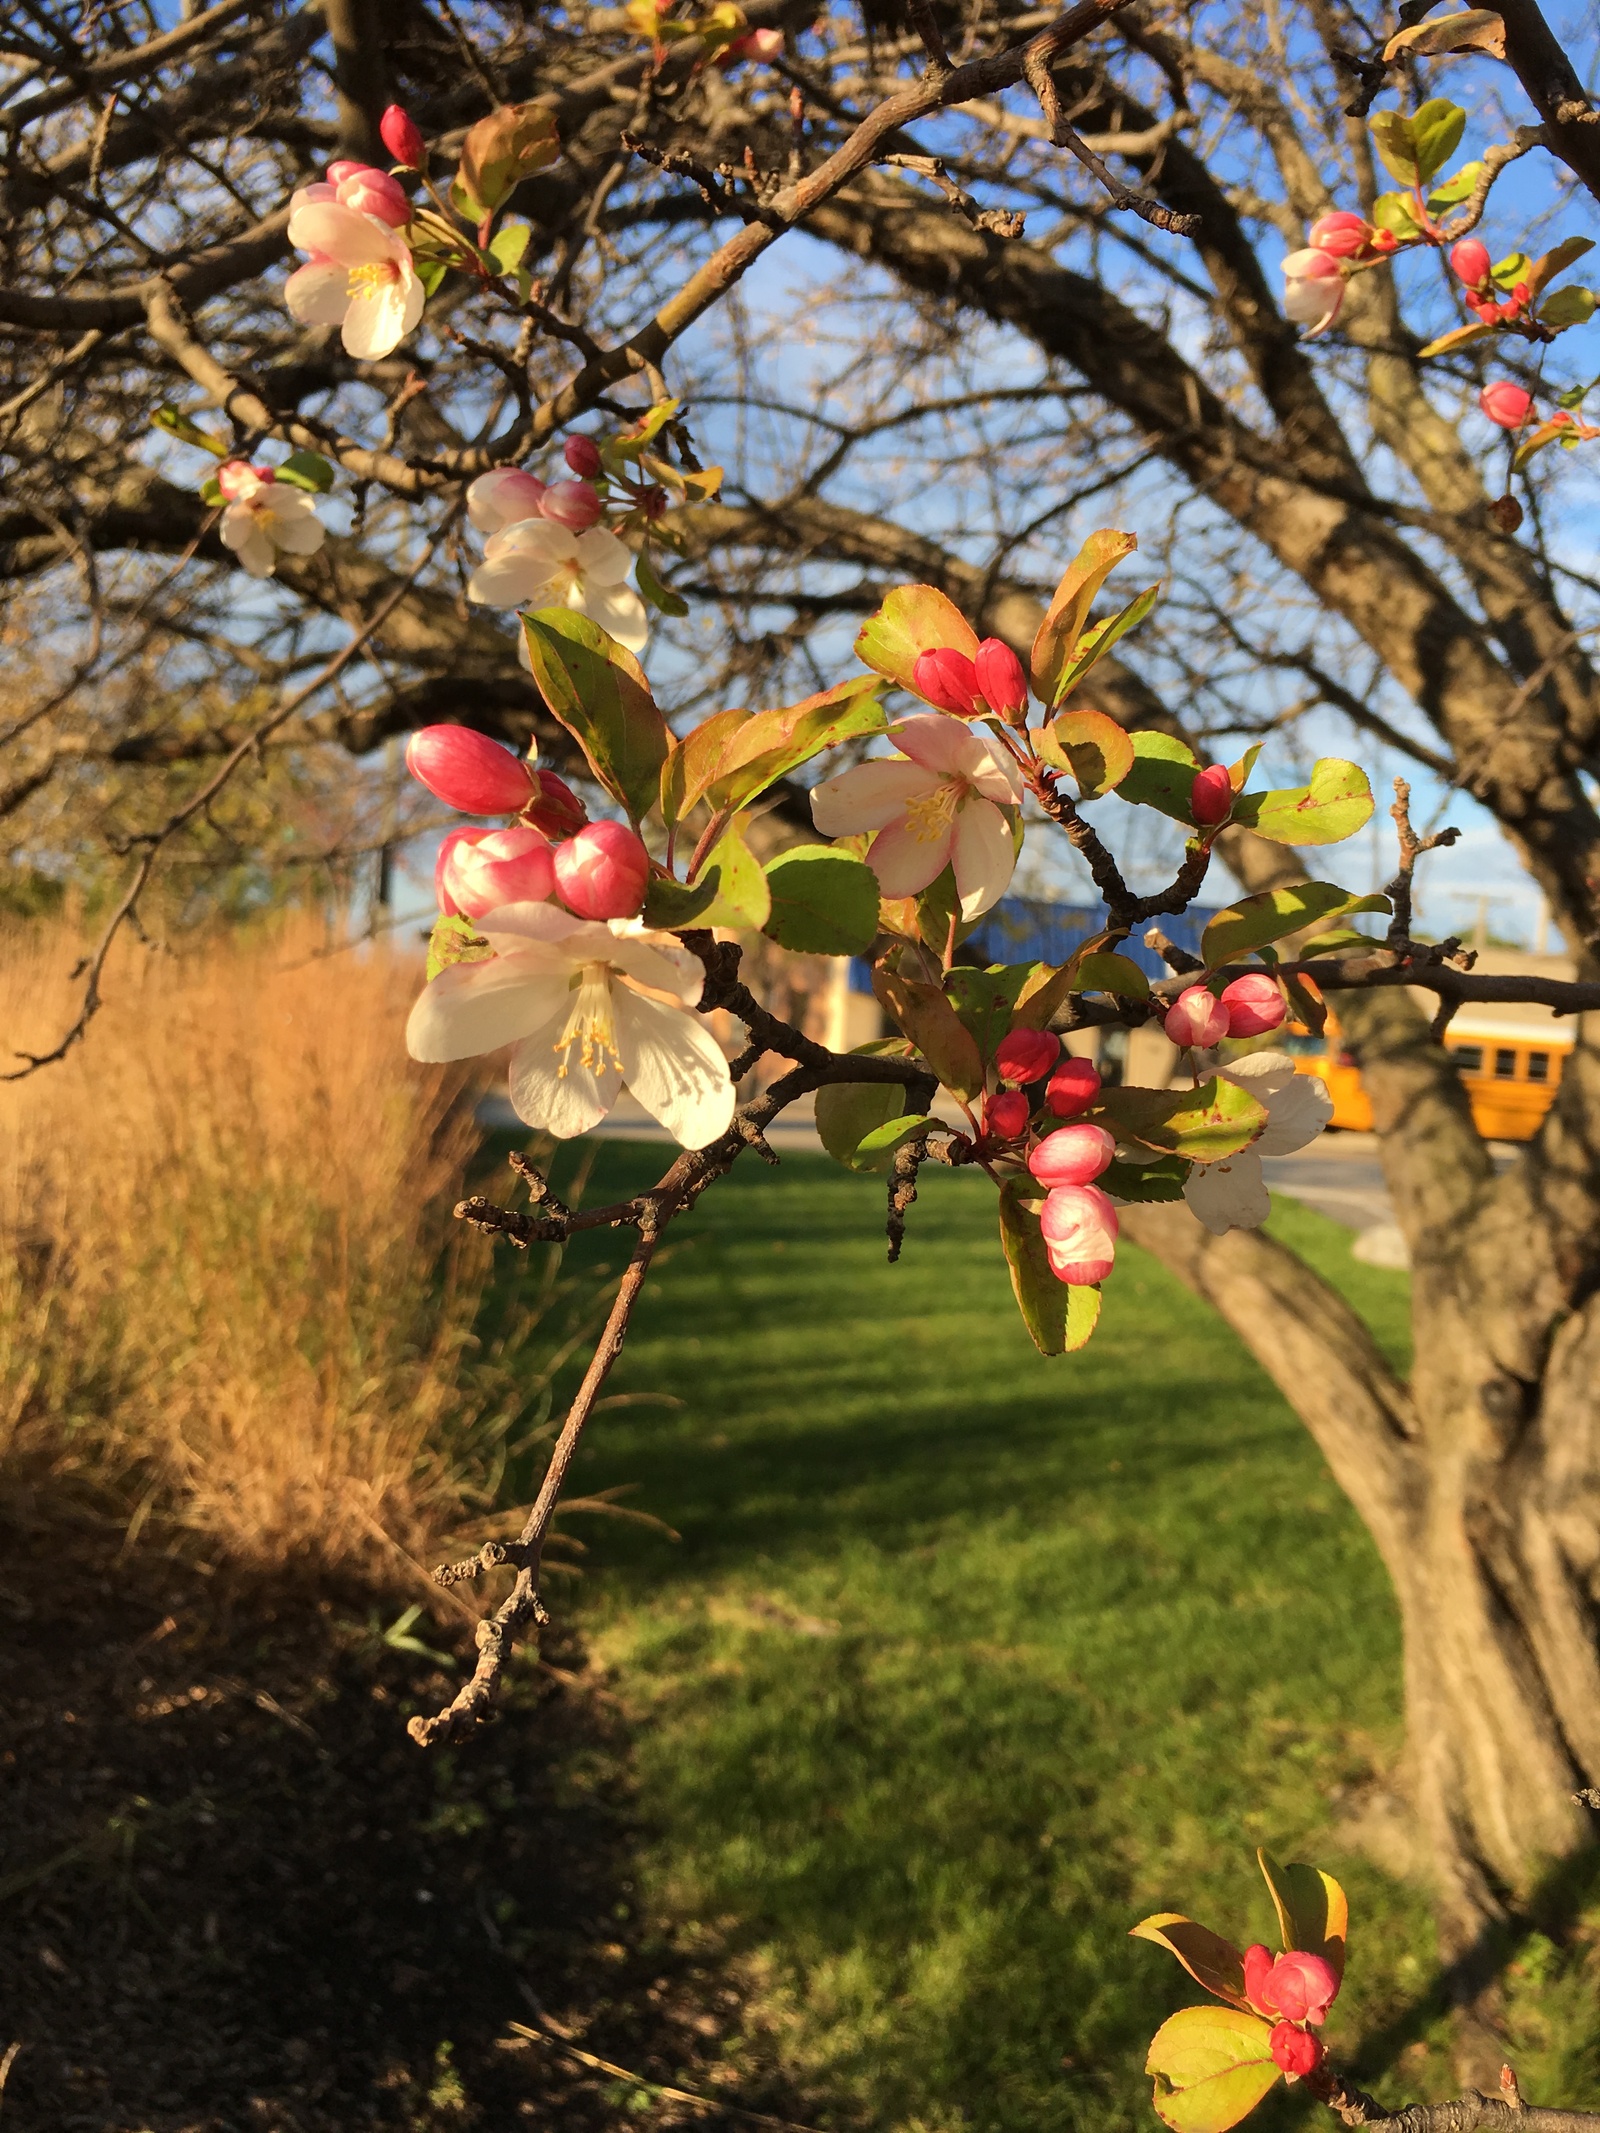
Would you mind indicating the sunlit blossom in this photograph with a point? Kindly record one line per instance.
(359, 277)
(265, 518)
(534, 563)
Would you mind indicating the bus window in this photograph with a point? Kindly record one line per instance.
(1538, 1066)
(1505, 1066)
(1469, 1057)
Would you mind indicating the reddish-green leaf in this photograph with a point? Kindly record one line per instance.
(912, 620)
(772, 743)
(932, 1024)
(1095, 749)
(1205, 1125)
(693, 762)
(499, 152)
(1212, 2066)
(1273, 913)
(1098, 640)
(1313, 1911)
(1162, 775)
(986, 999)
(1556, 261)
(1209, 1959)
(744, 896)
(1068, 616)
(597, 689)
(1111, 973)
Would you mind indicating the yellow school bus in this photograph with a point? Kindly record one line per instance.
(1510, 1059)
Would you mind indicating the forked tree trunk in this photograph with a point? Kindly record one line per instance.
(1480, 1479)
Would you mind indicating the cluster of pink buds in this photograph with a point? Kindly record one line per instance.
(1078, 1221)
(992, 684)
(1249, 1007)
(509, 494)
(596, 870)
(1299, 1989)
(1470, 263)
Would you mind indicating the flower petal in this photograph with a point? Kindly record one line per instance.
(318, 294)
(1230, 1195)
(869, 796)
(375, 324)
(533, 537)
(509, 581)
(947, 745)
(1263, 1074)
(296, 528)
(675, 1067)
(984, 854)
(656, 961)
(618, 610)
(512, 925)
(565, 1103)
(603, 559)
(339, 233)
(1295, 1116)
(477, 1007)
(904, 863)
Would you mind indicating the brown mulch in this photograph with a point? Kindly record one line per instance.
(234, 1898)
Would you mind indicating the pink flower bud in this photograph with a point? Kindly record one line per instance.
(1470, 262)
(441, 867)
(555, 808)
(337, 173)
(754, 44)
(1196, 1018)
(469, 771)
(1313, 288)
(1026, 1055)
(1005, 1115)
(1211, 796)
(1072, 1155)
(509, 866)
(401, 137)
(573, 504)
(1301, 1987)
(1080, 1234)
(603, 872)
(947, 680)
(1294, 2051)
(582, 454)
(1072, 1088)
(1255, 1004)
(1506, 404)
(502, 497)
(1257, 1969)
(374, 192)
(1001, 682)
(1343, 234)
(237, 477)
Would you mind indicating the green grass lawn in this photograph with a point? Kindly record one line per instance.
(965, 1660)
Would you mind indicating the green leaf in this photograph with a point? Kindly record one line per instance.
(1097, 641)
(1059, 1315)
(986, 1000)
(847, 1112)
(1049, 985)
(885, 1139)
(769, 745)
(912, 620)
(1457, 337)
(1313, 1912)
(1111, 973)
(499, 152)
(669, 904)
(598, 691)
(1336, 804)
(1397, 212)
(1572, 306)
(510, 242)
(692, 763)
(306, 470)
(1436, 132)
(1397, 145)
(823, 902)
(453, 940)
(1161, 1180)
(1095, 749)
(1212, 2066)
(936, 907)
(1454, 190)
(1162, 775)
(926, 1016)
(1507, 272)
(1205, 1125)
(1056, 644)
(211, 491)
(619, 451)
(430, 272)
(177, 424)
(1255, 920)
(744, 899)
(1209, 1959)
(661, 597)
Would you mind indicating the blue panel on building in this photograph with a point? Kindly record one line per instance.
(1022, 930)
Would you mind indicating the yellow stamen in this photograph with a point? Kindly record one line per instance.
(928, 817)
(369, 279)
(590, 1025)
